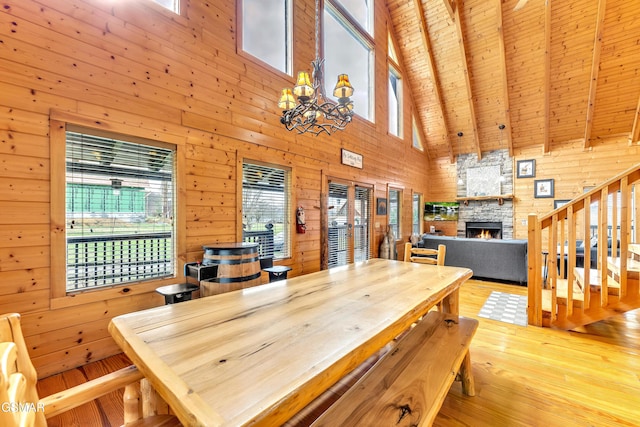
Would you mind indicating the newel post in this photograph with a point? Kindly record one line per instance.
(534, 274)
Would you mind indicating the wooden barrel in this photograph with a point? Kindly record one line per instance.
(238, 267)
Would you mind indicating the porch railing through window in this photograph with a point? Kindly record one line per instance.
(110, 260)
(338, 244)
(264, 239)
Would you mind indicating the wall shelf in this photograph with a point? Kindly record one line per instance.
(500, 198)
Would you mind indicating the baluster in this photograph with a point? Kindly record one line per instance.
(571, 254)
(586, 286)
(625, 222)
(602, 245)
(554, 256)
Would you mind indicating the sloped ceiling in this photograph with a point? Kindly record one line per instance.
(552, 72)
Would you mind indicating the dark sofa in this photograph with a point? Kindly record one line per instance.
(500, 259)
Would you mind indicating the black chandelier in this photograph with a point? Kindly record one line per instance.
(314, 112)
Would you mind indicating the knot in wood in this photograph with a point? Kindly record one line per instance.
(449, 322)
(404, 411)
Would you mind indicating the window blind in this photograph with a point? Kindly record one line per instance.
(266, 209)
(119, 211)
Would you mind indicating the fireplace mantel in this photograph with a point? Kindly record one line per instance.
(500, 198)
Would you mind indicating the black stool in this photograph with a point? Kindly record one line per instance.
(177, 293)
(278, 272)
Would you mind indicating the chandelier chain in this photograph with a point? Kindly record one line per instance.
(317, 34)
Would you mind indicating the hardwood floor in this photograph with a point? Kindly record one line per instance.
(106, 411)
(524, 376)
(530, 376)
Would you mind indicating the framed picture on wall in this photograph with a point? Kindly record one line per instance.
(381, 206)
(526, 168)
(558, 203)
(543, 188)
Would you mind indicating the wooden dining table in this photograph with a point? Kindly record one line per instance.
(257, 356)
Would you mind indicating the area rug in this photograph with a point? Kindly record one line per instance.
(505, 307)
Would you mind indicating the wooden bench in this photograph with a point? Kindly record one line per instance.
(408, 384)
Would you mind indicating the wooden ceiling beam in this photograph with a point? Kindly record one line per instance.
(634, 136)
(465, 68)
(451, 7)
(547, 74)
(432, 69)
(503, 72)
(595, 68)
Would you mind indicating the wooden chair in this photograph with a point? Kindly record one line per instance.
(424, 255)
(19, 396)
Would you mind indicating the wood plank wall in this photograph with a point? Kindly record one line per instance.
(133, 68)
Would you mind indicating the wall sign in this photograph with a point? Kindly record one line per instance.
(350, 158)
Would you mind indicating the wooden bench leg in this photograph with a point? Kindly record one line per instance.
(466, 376)
(132, 403)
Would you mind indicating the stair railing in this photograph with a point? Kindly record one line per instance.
(604, 214)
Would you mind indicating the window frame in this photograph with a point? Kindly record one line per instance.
(289, 53)
(179, 3)
(393, 72)
(398, 217)
(420, 213)
(59, 123)
(347, 15)
(362, 36)
(416, 135)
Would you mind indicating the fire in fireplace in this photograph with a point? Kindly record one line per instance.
(484, 230)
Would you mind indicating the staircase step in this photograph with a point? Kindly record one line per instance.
(633, 268)
(634, 250)
(595, 279)
(562, 286)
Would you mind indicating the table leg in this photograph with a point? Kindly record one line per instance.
(152, 402)
(450, 303)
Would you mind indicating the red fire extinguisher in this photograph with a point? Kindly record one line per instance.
(301, 226)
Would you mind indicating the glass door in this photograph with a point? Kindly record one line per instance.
(348, 229)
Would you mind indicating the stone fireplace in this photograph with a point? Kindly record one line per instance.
(486, 208)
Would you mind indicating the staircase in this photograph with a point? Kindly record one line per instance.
(584, 257)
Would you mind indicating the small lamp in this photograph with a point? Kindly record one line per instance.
(343, 89)
(303, 88)
(286, 100)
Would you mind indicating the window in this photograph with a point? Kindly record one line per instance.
(395, 102)
(266, 31)
(395, 196)
(119, 210)
(391, 50)
(266, 210)
(416, 214)
(347, 50)
(417, 140)
(394, 89)
(173, 5)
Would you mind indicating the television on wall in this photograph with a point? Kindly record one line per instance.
(441, 211)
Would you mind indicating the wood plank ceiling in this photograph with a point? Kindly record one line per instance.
(554, 73)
